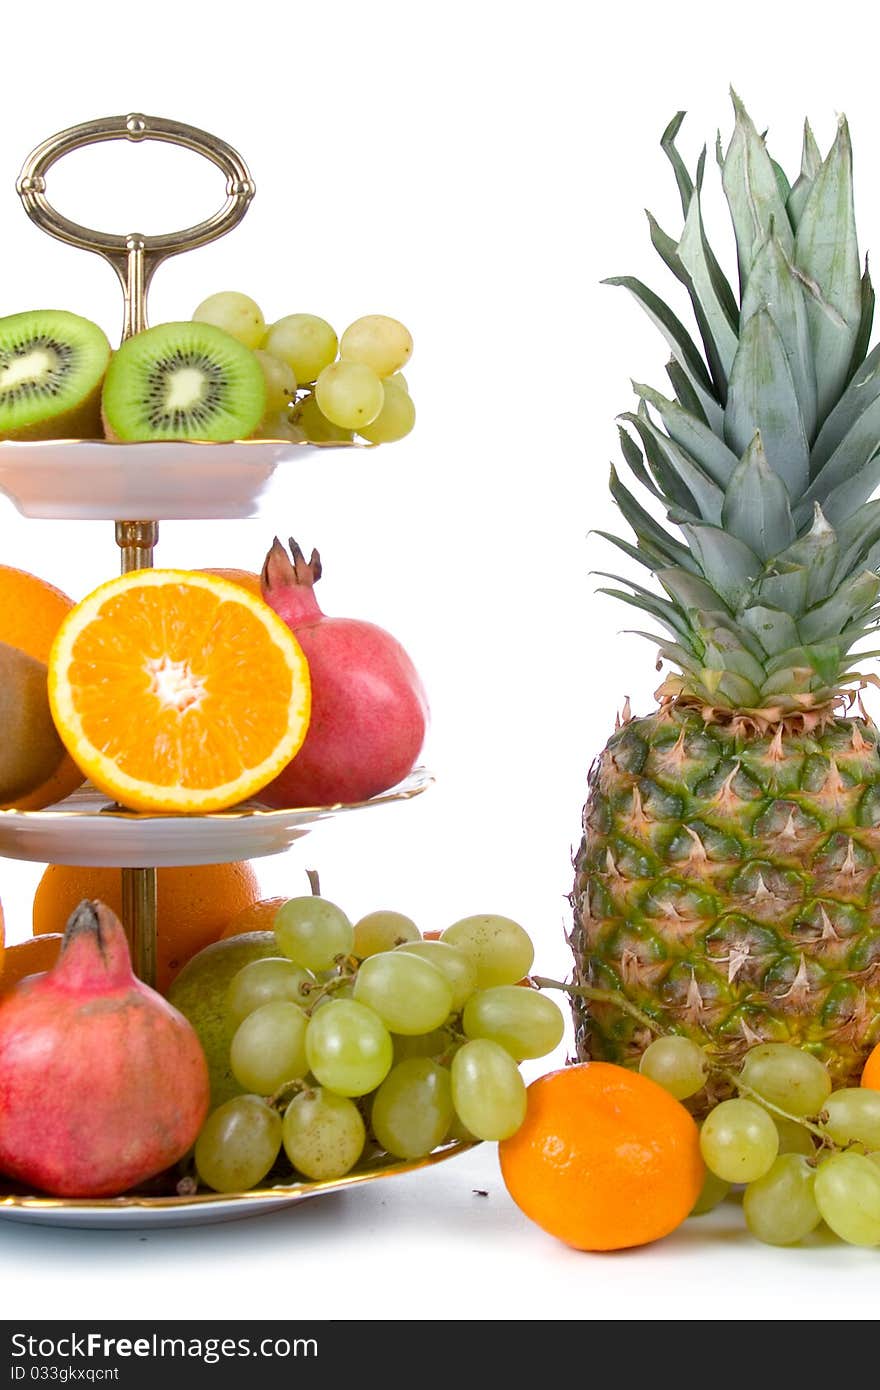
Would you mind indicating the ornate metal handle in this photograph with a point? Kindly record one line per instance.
(134, 257)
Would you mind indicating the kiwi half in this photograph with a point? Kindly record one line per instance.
(183, 381)
(52, 364)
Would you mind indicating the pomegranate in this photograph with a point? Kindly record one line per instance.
(102, 1083)
(369, 710)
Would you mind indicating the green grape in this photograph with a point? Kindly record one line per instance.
(349, 394)
(500, 949)
(435, 1044)
(306, 343)
(237, 314)
(262, 982)
(396, 418)
(780, 1208)
(458, 1133)
(348, 1047)
(794, 1138)
(488, 1092)
(382, 931)
(794, 1080)
(848, 1197)
(323, 1134)
(269, 1047)
(398, 379)
(412, 1109)
(525, 1023)
(313, 932)
(238, 1144)
(712, 1194)
(280, 381)
(280, 426)
(739, 1141)
(458, 968)
(854, 1116)
(378, 341)
(315, 426)
(676, 1064)
(874, 1157)
(409, 995)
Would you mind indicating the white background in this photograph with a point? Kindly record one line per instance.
(474, 169)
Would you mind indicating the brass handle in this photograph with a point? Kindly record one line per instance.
(134, 257)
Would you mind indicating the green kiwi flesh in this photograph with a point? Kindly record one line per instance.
(30, 749)
(183, 381)
(52, 364)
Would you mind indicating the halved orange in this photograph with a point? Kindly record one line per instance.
(178, 691)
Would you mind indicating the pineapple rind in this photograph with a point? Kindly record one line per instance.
(729, 886)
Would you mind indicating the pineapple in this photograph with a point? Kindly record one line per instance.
(728, 880)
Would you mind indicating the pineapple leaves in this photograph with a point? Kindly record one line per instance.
(774, 287)
(776, 630)
(728, 564)
(762, 399)
(859, 396)
(712, 297)
(752, 192)
(866, 322)
(680, 341)
(811, 163)
(698, 441)
(648, 531)
(826, 251)
(756, 508)
(680, 478)
(854, 597)
(682, 177)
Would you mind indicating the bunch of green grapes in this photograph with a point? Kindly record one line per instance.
(320, 388)
(366, 1037)
(804, 1152)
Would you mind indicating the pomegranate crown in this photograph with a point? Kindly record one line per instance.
(282, 570)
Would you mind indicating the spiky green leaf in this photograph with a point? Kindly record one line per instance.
(752, 192)
(762, 399)
(854, 597)
(849, 495)
(866, 322)
(699, 442)
(711, 296)
(681, 343)
(728, 564)
(775, 630)
(774, 288)
(826, 250)
(681, 479)
(684, 393)
(646, 528)
(859, 396)
(787, 590)
(756, 508)
(811, 162)
(682, 177)
(817, 554)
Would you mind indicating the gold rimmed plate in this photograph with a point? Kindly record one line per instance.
(87, 829)
(202, 1208)
(100, 480)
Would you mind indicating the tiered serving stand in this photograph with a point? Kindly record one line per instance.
(82, 479)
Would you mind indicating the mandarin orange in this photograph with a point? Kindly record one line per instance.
(604, 1159)
(871, 1070)
(31, 957)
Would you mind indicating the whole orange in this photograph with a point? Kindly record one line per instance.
(29, 957)
(604, 1159)
(31, 611)
(259, 916)
(871, 1071)
(194, 904)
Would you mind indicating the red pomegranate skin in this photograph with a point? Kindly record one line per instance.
(369, 709)
(102, 1083)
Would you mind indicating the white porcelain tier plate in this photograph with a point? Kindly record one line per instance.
(202, 1209)
(98, 480)
(90, 830)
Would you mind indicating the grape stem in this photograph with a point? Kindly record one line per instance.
(620, 1001)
